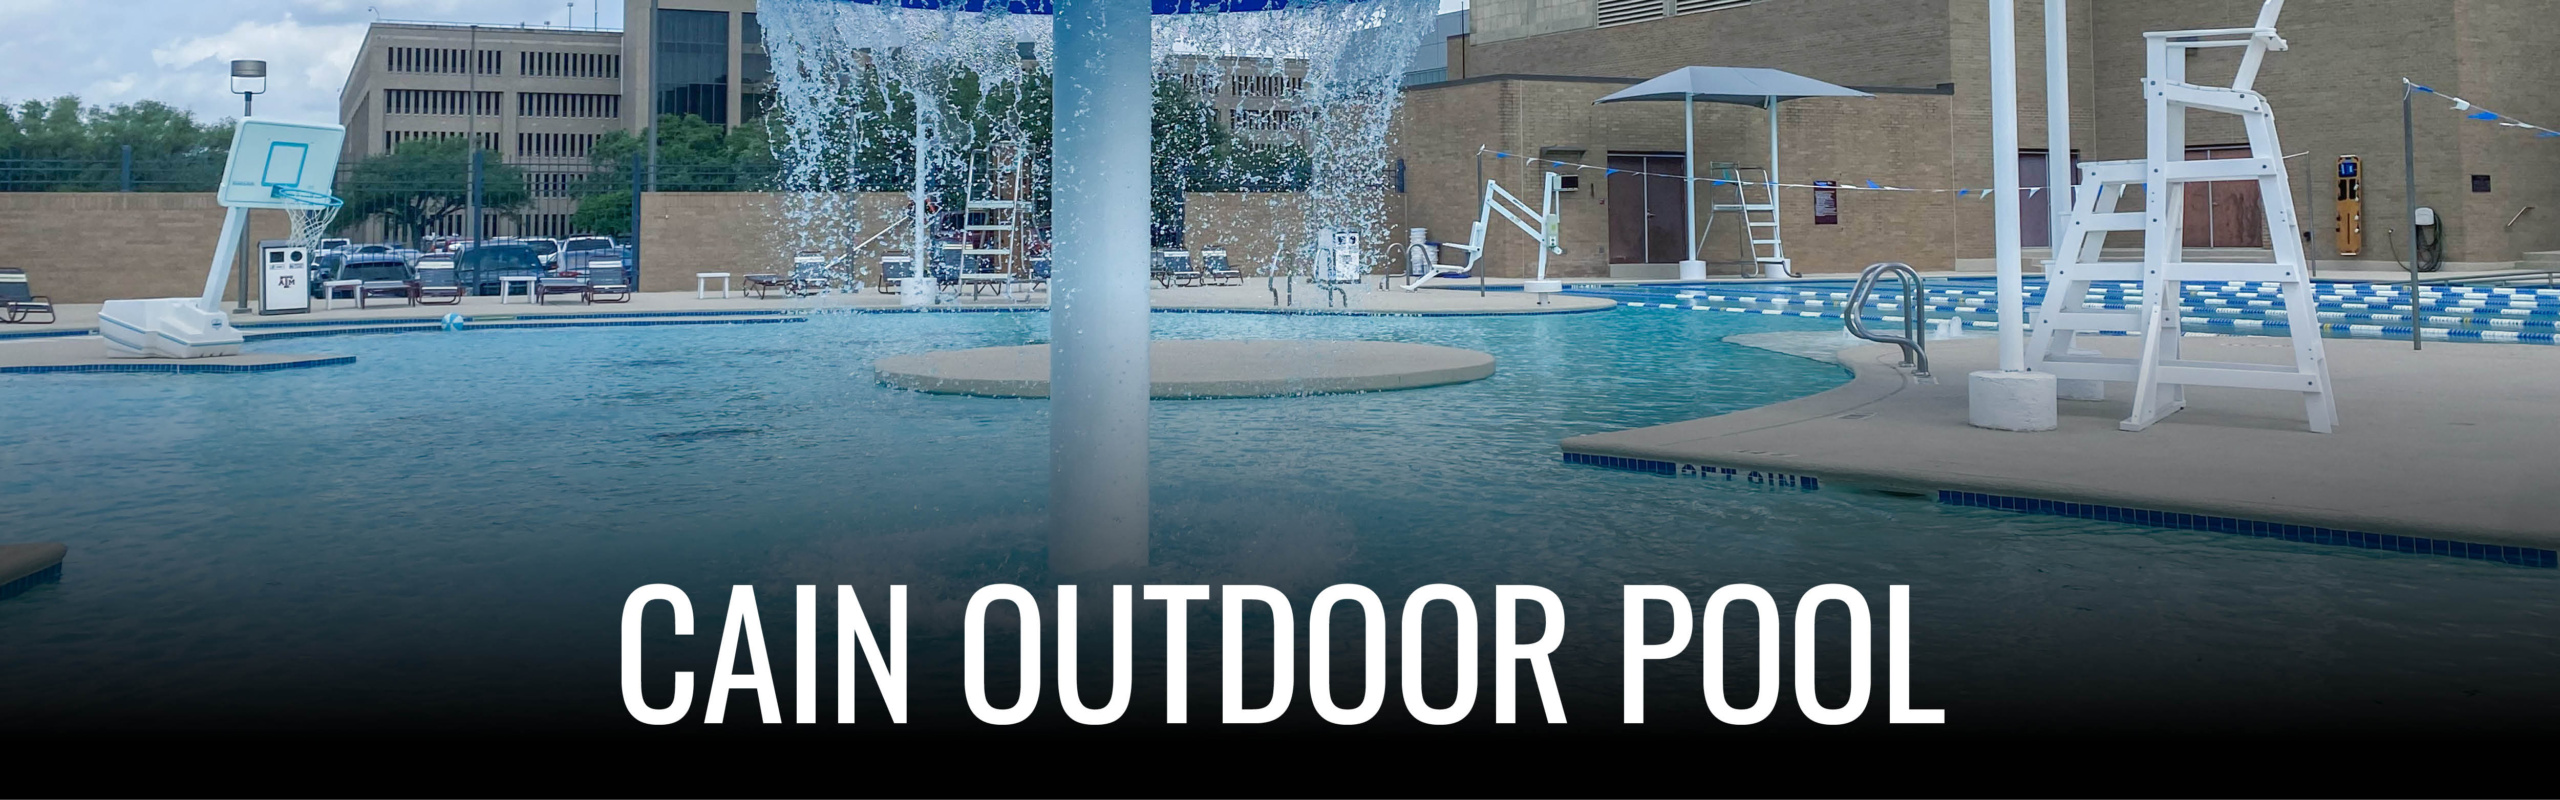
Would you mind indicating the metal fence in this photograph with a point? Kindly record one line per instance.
(518, 197)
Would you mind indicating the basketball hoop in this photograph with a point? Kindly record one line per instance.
(312, 217)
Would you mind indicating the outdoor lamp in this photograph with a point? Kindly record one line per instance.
(242, 72)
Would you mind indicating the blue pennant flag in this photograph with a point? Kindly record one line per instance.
(2422, 88)
(1963, 192)
(1872, 185)
(1500, 154)
(1610, 172)
(2547, 134)
(2485, 115)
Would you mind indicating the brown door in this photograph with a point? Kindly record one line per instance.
(1646, 210)
(2224, 213)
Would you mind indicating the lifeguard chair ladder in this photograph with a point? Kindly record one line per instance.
(2160, 376)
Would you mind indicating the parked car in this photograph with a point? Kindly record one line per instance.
(479, 268)
(583, 243)
(546, 249)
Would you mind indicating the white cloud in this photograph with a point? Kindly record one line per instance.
(179, 51)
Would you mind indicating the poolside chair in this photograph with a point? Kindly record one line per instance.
(894, 270)
(949, 261)
(1039, 273)
(1159, 271)
(439, 286)
(544, 288)
(764, 283)
(607, 278)
(1213, 267)
(17, 302)
(1177, 267)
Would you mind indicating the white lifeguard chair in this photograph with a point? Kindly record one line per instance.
(2160, 375)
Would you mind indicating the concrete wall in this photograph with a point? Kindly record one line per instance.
(94, 247)
(1897, 138)
(743, 233)
(1850, 42)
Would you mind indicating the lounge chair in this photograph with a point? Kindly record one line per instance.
(764, 283)
(1159, 271)
(544, 288)
(17, 302)
(607, 278)
(439, 286)
(893, 271)
(1177, 267)
(1039, 273)
(1214, 268)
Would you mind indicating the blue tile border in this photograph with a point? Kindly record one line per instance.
(2503, 554)
(51, 573)
(1678, 469)
(47, 333)
(166, 367)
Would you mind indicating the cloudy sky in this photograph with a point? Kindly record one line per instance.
(179, 51)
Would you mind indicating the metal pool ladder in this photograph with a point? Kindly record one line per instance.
(1915, 314)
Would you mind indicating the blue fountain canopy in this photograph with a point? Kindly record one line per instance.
(1044, 7)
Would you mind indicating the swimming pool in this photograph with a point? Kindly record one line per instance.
(460, 516)
(2345, 309)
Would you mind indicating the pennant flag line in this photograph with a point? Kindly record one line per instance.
(2482, 114)
(1865, 185)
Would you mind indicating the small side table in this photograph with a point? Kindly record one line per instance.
(703, 279)
(329, 293)
(529, 282)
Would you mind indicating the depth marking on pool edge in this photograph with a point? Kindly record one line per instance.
(2307, 534)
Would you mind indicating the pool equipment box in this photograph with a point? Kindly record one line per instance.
(284, 272)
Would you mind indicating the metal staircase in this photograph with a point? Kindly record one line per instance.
(2160, 375)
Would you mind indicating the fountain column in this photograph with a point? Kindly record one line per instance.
(1098, 301)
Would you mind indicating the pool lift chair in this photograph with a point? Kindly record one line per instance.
(1497, 200)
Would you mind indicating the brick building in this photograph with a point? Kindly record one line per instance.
(1521, 79)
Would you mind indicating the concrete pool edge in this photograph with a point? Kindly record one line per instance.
(1813, 437)
(1197, 369)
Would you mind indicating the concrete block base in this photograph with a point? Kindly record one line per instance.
(1693, 270)
(2012, 401)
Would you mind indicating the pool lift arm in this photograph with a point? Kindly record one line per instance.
(1497, 200)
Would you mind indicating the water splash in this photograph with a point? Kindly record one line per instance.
(870, 96)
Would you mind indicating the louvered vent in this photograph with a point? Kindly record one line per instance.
(1698, 6)
(1621, 12)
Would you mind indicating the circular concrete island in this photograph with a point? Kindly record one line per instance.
(1185, 369)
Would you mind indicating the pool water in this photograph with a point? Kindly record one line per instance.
(444, 532)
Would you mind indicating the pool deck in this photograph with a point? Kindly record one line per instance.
(82, 318)
(2457, 443)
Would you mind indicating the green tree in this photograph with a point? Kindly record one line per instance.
(61, 145)
(425, 180)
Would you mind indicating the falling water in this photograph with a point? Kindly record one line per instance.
(861, 85)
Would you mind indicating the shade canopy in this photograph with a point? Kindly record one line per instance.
(1758, 87)
(1047, 7)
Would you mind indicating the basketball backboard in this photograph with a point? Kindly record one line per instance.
(280, 164)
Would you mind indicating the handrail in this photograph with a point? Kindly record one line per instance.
(1915, 312)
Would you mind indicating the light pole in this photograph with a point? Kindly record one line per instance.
(245, 74)
(242, 72)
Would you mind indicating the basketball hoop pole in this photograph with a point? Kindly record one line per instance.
(226, 251)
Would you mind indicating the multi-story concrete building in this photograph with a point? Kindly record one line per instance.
(700, 57)
(538, 97)
(1522, 79)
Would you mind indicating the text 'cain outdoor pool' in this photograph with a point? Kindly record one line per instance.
(446, 530)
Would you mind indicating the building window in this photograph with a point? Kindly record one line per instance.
(1256, 119)
(441, 102)
(555, 104)
(534, 64)
(391, 140)
(1270, 85)
(756, 85)
(440, 61)
(1606, 13)
(693, 64)
(555, 145)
